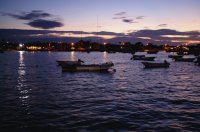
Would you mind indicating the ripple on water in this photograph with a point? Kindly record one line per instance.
(35, 95)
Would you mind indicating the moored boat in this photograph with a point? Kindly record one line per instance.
(184, 59)
(175, 56)
(156, 65)
(142, 57)
(63, 62)
(152, 51)
(146, 58)
(87, 67)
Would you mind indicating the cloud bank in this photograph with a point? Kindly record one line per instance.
(161, 36)
(162, 25)
(126, 19)
(35, 14)
(37, 19)
(45, 24)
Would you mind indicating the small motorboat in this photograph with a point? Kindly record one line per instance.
(63, 62)
(184, 59)
(152, 51)
(87, 67)
(142, 57)
(175, 56)
(156, 65)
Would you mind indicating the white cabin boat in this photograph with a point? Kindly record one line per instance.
(87, 67)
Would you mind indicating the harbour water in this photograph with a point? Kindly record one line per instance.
(35, 95)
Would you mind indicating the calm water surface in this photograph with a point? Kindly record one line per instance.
(35, 95)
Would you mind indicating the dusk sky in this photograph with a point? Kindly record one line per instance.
(148, 20)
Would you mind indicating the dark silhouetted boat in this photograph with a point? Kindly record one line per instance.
(87, 67)
(138, 56)
(175, 56)
(152, 51)
(184, 59)
(63, 62)
(142, 57)
(156, 65)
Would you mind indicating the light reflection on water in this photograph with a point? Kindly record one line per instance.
(105, 56)
(72, 56)
(36, 94)
(22, 85)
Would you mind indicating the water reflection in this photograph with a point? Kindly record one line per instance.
(21, 68)
(72, 56)
(104, 56)
(127, 98)
(22, 86)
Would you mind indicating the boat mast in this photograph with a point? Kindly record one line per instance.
(97, 29)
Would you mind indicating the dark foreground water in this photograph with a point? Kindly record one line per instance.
(35, 95)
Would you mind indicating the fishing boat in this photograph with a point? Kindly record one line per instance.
(175, 56)
(152, 51)
(87, 67)
(142, 57)
(184, 59)
(63, 62)
(156, 65)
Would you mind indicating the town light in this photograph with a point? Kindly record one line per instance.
(21, 45)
